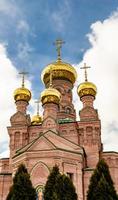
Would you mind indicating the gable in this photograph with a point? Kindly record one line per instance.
(42, 143)
(20, 119)
(50, 141)
(61, 142)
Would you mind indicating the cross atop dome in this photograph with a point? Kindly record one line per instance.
(37, 104)
(85, 68)
(36, 119)
(23, 74)
(58, 43)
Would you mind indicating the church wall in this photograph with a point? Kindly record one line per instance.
(34, 132)
(87, 173)
(75, 170)
(18, 138)
(111, 159)
(89, 136)
(4, 165)
(69, 131)
(5, 183)
(40, 163)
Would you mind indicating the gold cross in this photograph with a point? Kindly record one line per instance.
(85, 68)
(37, 103)
(58, 43)
(23, 74)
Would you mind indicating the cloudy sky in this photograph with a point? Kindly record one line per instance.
(90, 30)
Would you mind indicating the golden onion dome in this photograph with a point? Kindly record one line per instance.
(60, 70)
(22, 94)
(50, 95)
(87, 88)
(36, 120)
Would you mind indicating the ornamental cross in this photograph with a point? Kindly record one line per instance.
(37, 103)
(58, 43)
(23, 74)
(85, 68)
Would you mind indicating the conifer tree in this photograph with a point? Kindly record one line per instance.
(65, 188)
(59, 187)
(22, 188)
(50, 190)
(101, 185)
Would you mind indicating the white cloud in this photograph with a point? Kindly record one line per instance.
(9, 81)
(103, 58)
(23, 26)
(13, 22)
(61, 16)
(24, 51)
(9, 8)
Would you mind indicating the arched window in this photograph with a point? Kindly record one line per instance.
(69, 90)
(68, 110)
(16, 139)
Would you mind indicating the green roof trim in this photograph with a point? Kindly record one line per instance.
(66, 120)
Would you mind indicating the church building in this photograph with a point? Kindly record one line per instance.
(57, 137)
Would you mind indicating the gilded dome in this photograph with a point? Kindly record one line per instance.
(22, 94)
(50, 95)
(60, 70)
(36, 120)
(87, 88)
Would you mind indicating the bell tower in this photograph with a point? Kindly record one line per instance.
(89, 126)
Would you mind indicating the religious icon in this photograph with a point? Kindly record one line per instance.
(40, 193)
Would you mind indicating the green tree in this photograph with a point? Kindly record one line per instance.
(59, 187)
(50, 190)
(101, 185)
(22, 188)
(65, 188)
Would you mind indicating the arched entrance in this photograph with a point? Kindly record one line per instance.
(39, 174)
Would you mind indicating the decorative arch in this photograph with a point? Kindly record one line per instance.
(39, 173)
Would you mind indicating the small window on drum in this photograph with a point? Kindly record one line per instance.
(69, 91)
(68, 110)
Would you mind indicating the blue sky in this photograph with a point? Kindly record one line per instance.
(89, 28)
(31, 29)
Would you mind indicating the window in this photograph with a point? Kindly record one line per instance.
(70, 175)
(16, 139)
(68, 110)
